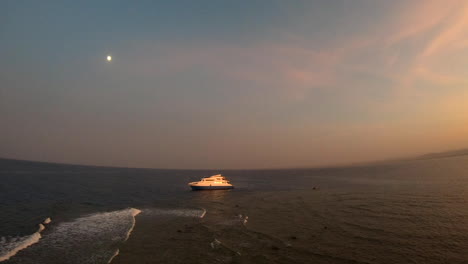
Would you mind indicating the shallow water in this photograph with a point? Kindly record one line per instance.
(402, 212)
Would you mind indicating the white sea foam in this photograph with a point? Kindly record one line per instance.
(12, 245)
(204, 213)
(134, 213)
(113, 256)
(93, 238)
(236, 220)
(197, 213)
(41, 227)
(215, 244)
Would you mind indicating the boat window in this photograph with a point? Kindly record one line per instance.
(209, 180)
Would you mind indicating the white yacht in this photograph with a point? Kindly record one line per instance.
(215, 182)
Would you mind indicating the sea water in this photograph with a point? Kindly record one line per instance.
(397, 212)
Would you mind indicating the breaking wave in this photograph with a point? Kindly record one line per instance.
(9, 246)
(94, 238)
(203, 214)
(100, 234)
(113, 256)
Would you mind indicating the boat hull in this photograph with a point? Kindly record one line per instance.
(201, 188)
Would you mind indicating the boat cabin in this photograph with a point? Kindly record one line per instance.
(216, 179)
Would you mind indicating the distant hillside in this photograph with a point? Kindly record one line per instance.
(10, 164)
(445, 154)
(13, 164)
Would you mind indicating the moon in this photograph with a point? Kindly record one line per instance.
(109, 58)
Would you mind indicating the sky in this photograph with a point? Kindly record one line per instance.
(232, 84)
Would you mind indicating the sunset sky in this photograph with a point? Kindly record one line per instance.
(232, 84)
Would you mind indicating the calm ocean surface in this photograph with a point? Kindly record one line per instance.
(401, 212)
